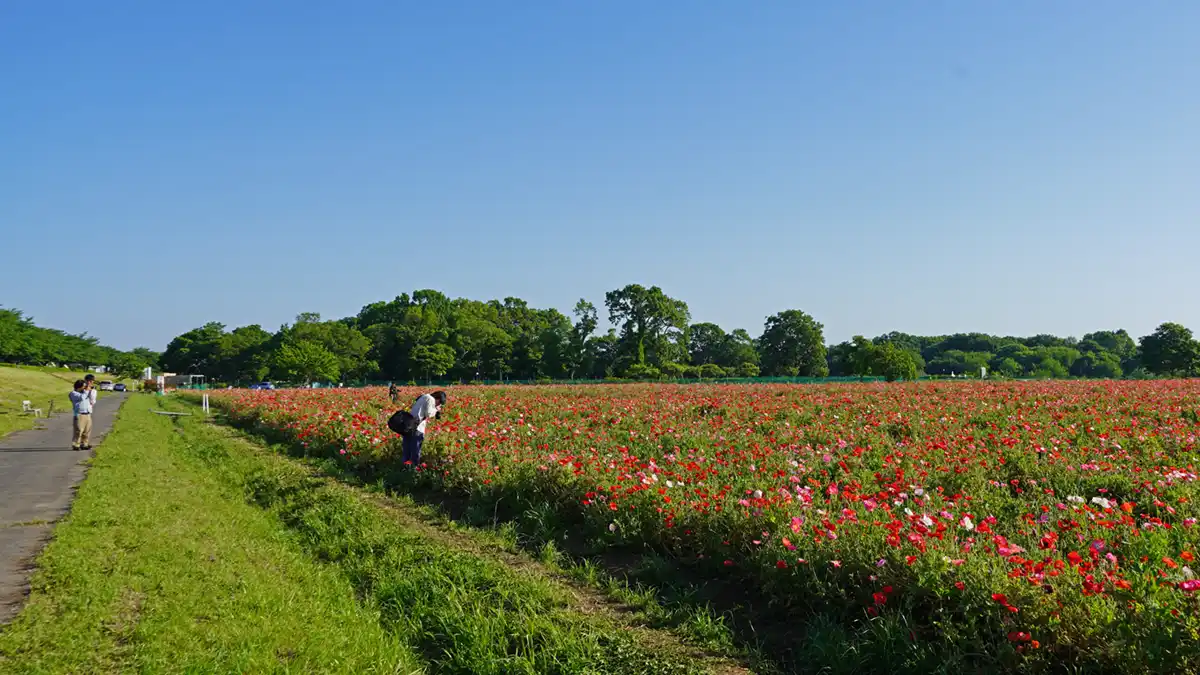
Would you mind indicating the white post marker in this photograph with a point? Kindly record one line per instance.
(205, 403)
(983, 373)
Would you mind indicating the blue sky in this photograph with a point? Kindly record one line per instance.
(1012, 167)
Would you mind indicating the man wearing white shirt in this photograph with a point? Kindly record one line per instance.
(427, 407)
(89, 382)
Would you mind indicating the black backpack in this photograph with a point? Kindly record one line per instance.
(403, 423)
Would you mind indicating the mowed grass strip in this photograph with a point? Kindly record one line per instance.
(464, 611)
(162, 566)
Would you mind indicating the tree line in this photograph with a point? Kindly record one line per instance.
(427, 335)
(23, 342)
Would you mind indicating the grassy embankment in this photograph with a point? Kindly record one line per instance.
(39, 386)
(190, 550)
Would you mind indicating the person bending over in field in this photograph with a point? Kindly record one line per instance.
(427, 407)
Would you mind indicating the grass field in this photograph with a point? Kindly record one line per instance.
(190, 550)
(40, 387)
(1035, 527)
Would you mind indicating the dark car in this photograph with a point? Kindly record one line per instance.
(262, 385)
(118, 387)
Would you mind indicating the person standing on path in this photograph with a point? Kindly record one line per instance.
(427, 407)
(81, 404)
(89, 381)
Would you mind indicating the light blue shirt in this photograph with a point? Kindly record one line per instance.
(81, 402)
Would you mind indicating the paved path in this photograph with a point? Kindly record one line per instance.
(38, 475)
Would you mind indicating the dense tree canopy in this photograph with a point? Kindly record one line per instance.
(1170, 350)
(792, 344)
(650, 321)
(427, 335)
(24, 342)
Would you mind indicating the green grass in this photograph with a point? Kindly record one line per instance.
(467, 608)
(38, 386)
(190, 550)
(162, 566)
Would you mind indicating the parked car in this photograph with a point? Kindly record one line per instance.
(118, 387)
(106, 385)
(262, 385)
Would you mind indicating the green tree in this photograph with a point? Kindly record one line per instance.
(673, 370)
(127, 365)
(738, 349)
(1116, 341)
(146, 354)
(1025, 358)
(1050, 367)
(305, 361)
(349, 345)
(646, 317)
(483, 348)
(556, 345)
(1170, 350)
(748, 369)
(862, 356)
(706, 343)
(16, 333)
(642, 371)
(893, 362)
(194, 352)
(604, 354)
(1005, 367)
(580, 357)
(793, 344)
(1063, 354)
(243, 355)
(955, 362)
(432, 360)
(1097, 363)
(838, 358)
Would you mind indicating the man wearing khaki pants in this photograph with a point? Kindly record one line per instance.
(81, 403)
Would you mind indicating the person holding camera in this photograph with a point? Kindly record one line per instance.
(89, 384)
(81, 404)
(427, 407)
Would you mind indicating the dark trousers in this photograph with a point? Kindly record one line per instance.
(412, 448)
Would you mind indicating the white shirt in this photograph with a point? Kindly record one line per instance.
(92, 398)
(424, 410)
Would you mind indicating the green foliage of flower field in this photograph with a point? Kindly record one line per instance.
(1024, 527)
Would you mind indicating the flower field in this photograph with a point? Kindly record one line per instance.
(1037, 527)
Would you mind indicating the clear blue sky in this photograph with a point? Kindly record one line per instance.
(1012, 167)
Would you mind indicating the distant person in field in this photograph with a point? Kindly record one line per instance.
(393, 392)
(81, 405)
(427, 407)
